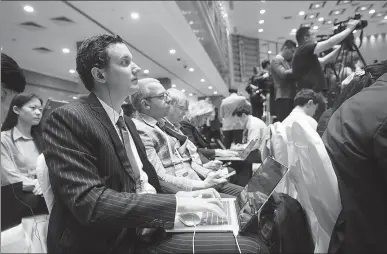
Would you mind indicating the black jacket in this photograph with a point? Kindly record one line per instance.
(356, 141)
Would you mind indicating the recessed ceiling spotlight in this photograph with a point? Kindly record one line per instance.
(28, 8)
(372, 11)
(311, 16)
(210, 87)
(173, 85)
(385, 17)
(75, 97)
(301, 13)
(261, 21)
(215, 92)
(172, 51)
(317, 6)
(363, 8)
(191, 22)
(134, 15)
(183, 90)
(65, 50)
(72, 71)
(329, 22)
(321, 19)
(269, 52)
(190, 94)
(379, 14)
(260, 30)
(337, 12)
(262, 11)
(354, 31)
(146, 71)
(225, 15)
(315, 27)
(294, 30)
(202, 80)
(191, 69)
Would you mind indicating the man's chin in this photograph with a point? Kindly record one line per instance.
(133, 88)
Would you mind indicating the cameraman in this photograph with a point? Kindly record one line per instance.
(307, 66)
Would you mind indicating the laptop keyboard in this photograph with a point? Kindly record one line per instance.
(212, 219)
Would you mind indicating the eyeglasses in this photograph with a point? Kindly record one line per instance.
(164, 96)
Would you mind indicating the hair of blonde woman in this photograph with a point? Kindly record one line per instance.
(178, 97)
(198, 110)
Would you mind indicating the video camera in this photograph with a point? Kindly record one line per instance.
(342, 25)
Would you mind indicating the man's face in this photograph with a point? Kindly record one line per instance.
(288, 53)
(158, 101)
(121, 73)
(311, 37)
(177, 112)
(311, 108)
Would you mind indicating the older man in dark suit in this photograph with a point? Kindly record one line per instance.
(103, 184)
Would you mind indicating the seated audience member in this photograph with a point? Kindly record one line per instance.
(21, 145)
(128, 108)
(350, 86)
(356, 141)
(253, 127)
(167, 149)
(192, 117)
(306, 103)
(12, 82)
(97, 169)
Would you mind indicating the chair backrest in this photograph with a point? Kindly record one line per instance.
(44, 181)
(316, 182)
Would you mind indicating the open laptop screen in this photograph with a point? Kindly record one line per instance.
(259, 189)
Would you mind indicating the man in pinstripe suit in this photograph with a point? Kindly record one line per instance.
(104, 187)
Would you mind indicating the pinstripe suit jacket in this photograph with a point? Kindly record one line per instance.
(96, 209)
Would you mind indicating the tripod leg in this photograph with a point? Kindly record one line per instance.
(359, 54)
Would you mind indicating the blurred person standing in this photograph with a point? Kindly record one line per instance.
(231, 128)
(12, 83)
(284, 85)
(308, 67)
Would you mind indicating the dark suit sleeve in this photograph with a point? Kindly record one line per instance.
(380, 148)
(69, 151)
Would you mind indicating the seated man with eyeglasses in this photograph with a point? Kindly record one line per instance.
(167, 149)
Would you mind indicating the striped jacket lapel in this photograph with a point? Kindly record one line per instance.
(100, 114)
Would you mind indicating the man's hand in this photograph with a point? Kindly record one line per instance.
(225, 153)
(206, 193)
(352, 24)
(192, 205)
(213, 179)
(37, 190)
(213, 165)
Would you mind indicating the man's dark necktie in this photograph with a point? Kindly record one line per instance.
(172, 133)
(132, 160)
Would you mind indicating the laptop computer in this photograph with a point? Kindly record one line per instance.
(11, 207)
(242, 155)
(241, 210)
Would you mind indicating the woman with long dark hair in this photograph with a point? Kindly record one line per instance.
(21, 142)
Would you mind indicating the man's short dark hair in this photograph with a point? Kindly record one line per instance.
(305, 95)
(92, 53)
(301, 33)
(12, 75)
(232, 90)
(265, 63)
(289, 44)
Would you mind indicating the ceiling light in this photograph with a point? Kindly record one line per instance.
(146, 71)
(301, 13)
(269, 52)
(329, 22)
(372, 11)
(294, 30)
(337, 12)
(363, 8)
(379, 14)
(317, 6)
(190, 94)
(225, 15)
(191, 69)
(385, 17)
(173, 85)
(315, 27)
(134, 15)
(202, 80)
(260, 30)
(183, 90)
(311, 16)
(215, 92)
(75, 97)
(65, 50)
(72, 71)
(191, 22)
(28, 8)
(210, 87)
(261, 21)
(321, 19)
(262, 11)
(172, 51)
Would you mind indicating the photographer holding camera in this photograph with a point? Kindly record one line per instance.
(308, 67)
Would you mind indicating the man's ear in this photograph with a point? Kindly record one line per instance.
(98, 75)
(145, 104)
(310, 103)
